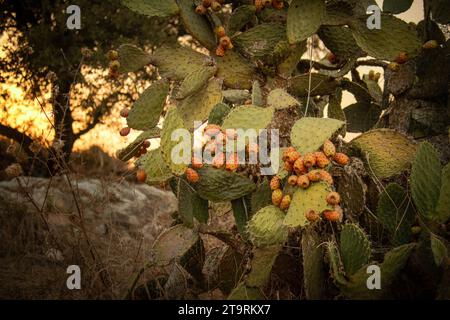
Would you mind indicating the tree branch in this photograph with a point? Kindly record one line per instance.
(17, 136)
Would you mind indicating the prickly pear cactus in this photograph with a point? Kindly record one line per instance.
(266, 227)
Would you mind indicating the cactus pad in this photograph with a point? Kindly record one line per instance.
(339, 40)
(241, 212)
(218, 113)
(289, 64)
(146, 111)
(396, 6)
(132, 58)
(240, 17)
(395, 37)
(198, 106)
(313, 268)
(266, 227)
(426, 179)
(197, 25)
(236, 96)
(154, 166)
(195, 81)
(235, 71)
(386, 152)
(395, 213)
(257, 94)
(320, 85)
(280, 99)
(219, 185)
(336, 267)
(443, 205)
(304, 19)
(190, 205)
(248, 117)
(439, 250)
(176, 62)
(361, 117)
(172, 122)
(262, 263)
(355, 248)
(242, 292)
(130, 151)
(152, 8)
(308, 134)
(260, 197)
(313, 198)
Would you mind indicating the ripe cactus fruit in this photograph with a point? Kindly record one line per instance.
(196, 163)
(125, 131)
(331, 57)
(216, 6)
(220, 51)
(333, 198)
(259, 4)
(286, 153)
(292, 180)
(432, 44)
(113, 55)
(329, 149)
(124, 112)
(309, 160)
(394, 66)
(200, 9)
(377, 77)
(212, 130)
(292, 156)
(146, 144)
(303, 181)
(326, 176)
(312, 216)
(232, 162)
(220, 32)
(191, 175)
(341, 159)
(332, 216)
(314, 175)
(278, 4)
(321, 160)
(275, 183)
(219, 160)
(114, 65)
(141, 176)
(225, 42)
(402, 58)
(285, 202)
(267, 3)
(299, 167)
(206, 3)
(288, 166)
(277, 196)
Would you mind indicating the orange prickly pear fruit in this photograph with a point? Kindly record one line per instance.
(321, 160)
(206, 3)
(141, 176)
(329, 149)
(278, 4)
(275, 183)
(402, 58)
(331, 57)
(146, 144)
(124, 112)
(341, 158)
(200, 9)
(312, 216)
(196, 163)
(191, 175)
(286, 153)
(333, 198)
(285, 202)
(394, 66)
(277, 196)
(292, 156)
(232, 162)
(299, 167)
(303, 181)
(216, 6)
(225, 42)
(314, 175)
(289, 167)
(326, 176)
(332, 216)
(220, 31)
(220, 51)
(125, 131)
(309, 160)
(432, 44)
(292, 180)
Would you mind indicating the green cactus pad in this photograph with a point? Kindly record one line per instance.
(280, 99)
(313, 198)
(262, 263)
(336, 267)
(304, 19)
(239, 18)
(355, 248)
(236, 96)
(152, 8)
(361, 117)
(396, 213)
(242, 292)
(172, 122)
(266, 227)
(320, 85)
(339, 40)
(313, 266)
(219, 185)
(154, 166)
(248, 117)
(386, 152)
(288, 66)
(309, 134)
(338, 13)
(236, 72)
(197, 25)
(396, 6)
(261, 197)
(257, 95)
(395, 37)
(335, 110)
(132, 58)
(190, 205)
(259, 42)
(443, 205)
(439, 250)
(218, 113)
(374, 90)
(174, 244)
(198, 106)
(146, 111)
(440, 10)
(176, 62)
(426, 179)
(360, 92)
(195, 81)
(130, 151)
(241, 212)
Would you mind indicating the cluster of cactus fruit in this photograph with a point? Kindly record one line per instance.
(305, 170)
(256, 77)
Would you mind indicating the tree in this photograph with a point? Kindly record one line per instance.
(49, 53)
